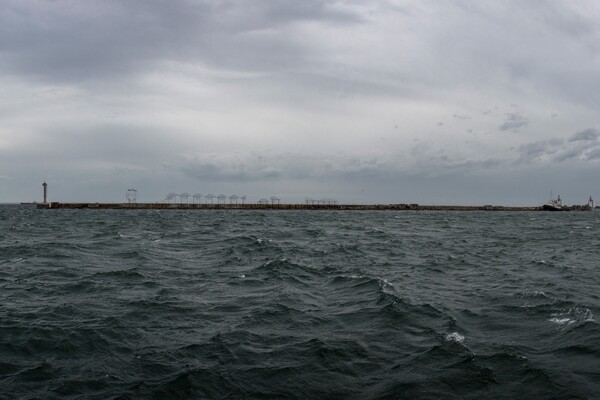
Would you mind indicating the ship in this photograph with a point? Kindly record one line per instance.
(554, 204)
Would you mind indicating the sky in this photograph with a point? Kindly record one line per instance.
(391, 101)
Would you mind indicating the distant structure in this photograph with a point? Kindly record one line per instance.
(263, 201)
(209, 198)
(171, 197)
(275, 200)
(131, 195)
(184, 197)
(591, 202)
(321, 201)
(45, 185)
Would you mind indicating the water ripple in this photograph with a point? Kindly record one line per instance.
(256, 304)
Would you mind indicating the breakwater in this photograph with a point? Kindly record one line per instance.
(298, 206)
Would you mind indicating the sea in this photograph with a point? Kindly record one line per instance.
(281, 304)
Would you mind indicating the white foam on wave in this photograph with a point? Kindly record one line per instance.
(533, 293)
(455, 337)
(572, 315)
(562, 321)
(353, 276)
(384, 282)
(242, 276)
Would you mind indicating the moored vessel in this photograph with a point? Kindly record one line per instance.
(554, 204)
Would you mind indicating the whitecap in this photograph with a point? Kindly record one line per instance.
(242, 276)
(533, 293)
(455, 337)
(561, 321)
(582, 313)
(259, 240)
(384, 282)
(572, 315)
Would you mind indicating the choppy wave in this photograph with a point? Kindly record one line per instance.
(237, 304)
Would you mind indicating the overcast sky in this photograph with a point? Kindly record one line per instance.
(437, 102)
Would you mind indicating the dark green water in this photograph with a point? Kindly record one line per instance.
(253, 304)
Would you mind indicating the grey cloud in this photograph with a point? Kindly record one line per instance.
(138, 83)
(594, 154)
(310, 10)
(431, 162)
(535, 150)
(340, 167)
(582, 146)
(519, 41)
(570, 153)
(256, 167)
(228, 169)
(97, 149)
(457, 116)
(587, 135)
(97, 40)
(444, 165)
(513, 121)
(579, 26)
(113, 40)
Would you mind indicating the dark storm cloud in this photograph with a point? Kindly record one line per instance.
(513, 121)
(79, 40)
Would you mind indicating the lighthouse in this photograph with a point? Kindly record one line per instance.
(45, 185)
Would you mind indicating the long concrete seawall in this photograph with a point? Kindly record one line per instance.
(357, 207)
